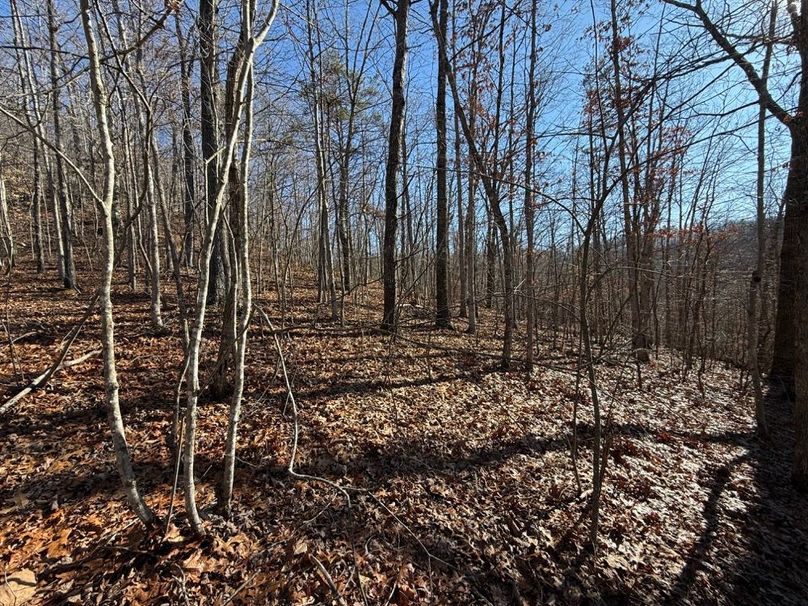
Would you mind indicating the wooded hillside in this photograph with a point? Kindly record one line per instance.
(397, 302)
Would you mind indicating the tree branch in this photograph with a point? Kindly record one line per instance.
(751, 73)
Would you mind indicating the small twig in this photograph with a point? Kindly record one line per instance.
(392, 592)
(182, 589)
(60, 568)
(239, 589)
(24, 335)
(327, 578)
(411, 532)
(296, 428)
(343, 490)
(14, 362)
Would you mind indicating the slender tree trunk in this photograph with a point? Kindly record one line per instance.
(471, 250)
(637, 338)
(755, 291)
(101, 103)
(33, 116)
(443, 315)
(189, 181)
(210, 129)
(490, 261)
(242, 261)
(68, 270)
(36, 212)
(493, 203)
(401, 17)
(529, 201)
(243, 69)
(461, 226)
(7, 250)
(154, 228)
(325, 258)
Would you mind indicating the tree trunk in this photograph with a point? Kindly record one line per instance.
(68, 269)
(401, 16)
(210, 129)
(493, 203)
(756, 293)
(243, 69)
(116, 423)
(189, 182)
(33, 116)
(242, 262)
(793, 297)
(7, 250)
(529, 208)
(442, 316)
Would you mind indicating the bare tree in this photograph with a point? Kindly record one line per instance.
(189, 180)
(105, 203)
(242, 68)
(67, 269)
(529, 209)
(400, 10)
(756, 279)
(443, 315)
(492, 198)
(790, 359)
(210, 126)
(33, 117)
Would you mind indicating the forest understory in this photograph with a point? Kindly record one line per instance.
(457, 482)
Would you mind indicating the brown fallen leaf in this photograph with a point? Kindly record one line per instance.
(195, 563)
(59, 548)
(300, 548)
(18, 588)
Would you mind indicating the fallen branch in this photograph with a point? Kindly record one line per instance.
(343, 490)
(24, 335)
(296, 422)
(43, 379)
(340, 488)
(328, 580)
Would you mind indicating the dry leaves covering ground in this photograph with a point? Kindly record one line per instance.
(460, 479)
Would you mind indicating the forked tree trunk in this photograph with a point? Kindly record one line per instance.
(242, 262)
(242, 74)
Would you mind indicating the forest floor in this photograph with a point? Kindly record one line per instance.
(461, 485)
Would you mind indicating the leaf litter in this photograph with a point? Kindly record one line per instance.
(460, 478)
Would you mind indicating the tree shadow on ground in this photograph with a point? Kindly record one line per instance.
(767, 559)
(774, 569)
(768, 566)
